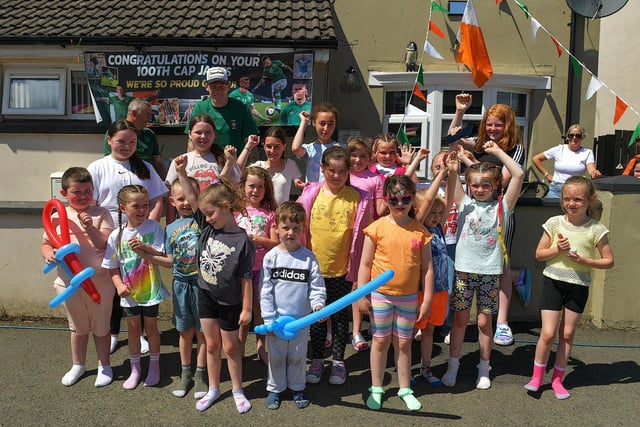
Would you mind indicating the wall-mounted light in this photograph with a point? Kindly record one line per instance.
(350, 82)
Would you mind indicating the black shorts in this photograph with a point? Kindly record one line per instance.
(557, 295)
(209, 308)
(150, 311)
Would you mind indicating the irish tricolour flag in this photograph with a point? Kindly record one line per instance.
(472, 51)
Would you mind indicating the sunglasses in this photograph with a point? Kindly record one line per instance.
(402, 200)
(575, 135)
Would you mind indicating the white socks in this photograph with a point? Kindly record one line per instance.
(105, 376)
(144, 345)
(242, 404)
(114, 344)
(483, 382)
(449, 378)
(212, 395)
(74, 374)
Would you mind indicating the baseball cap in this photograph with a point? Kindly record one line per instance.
(217, 74)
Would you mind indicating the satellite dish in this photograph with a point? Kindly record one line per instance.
(596, 8)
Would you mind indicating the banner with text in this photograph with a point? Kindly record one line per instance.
(275, 87)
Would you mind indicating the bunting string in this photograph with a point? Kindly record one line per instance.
(595, 83)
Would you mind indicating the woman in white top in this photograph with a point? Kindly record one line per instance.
(124, 167)
(570, 159)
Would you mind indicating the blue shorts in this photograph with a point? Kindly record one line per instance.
(185, 304)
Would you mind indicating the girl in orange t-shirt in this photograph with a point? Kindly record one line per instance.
(400, 243)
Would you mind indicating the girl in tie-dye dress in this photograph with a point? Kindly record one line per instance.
(137, 281)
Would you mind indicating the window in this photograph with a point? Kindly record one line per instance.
(396, 101)
(34, 93)
(431, 122)
(517, 101)
(473, 115)
(80, 97)
(46, 92)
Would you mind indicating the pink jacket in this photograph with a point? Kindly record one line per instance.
(363, 218)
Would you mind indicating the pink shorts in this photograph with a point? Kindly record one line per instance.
(84, 315)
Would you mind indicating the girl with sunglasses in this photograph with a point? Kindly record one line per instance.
(481, 253)
(400, 243)
(570, 159)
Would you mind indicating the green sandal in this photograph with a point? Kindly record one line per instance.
(412, 403)
(374, 402)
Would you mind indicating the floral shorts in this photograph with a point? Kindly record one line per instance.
(485, 286)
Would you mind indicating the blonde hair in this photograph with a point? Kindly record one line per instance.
(589, 191)
(385, 138)
(579, 127)
(223, 194)
(192, 181)
(420, 197)
(123, 198)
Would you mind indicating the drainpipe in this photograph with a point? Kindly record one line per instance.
(571, 79)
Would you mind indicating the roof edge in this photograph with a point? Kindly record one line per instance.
(172, 41)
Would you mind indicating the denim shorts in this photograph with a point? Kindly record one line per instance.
(185, 304)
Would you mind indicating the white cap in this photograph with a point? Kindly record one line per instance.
(217, 74)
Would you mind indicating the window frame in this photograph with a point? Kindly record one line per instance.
(63, 74)
(446, 81)
(11, 73)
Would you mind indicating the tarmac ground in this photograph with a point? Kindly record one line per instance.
(603, 377)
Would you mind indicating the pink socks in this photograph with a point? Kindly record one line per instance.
(536, 377)
(153, 376)
(556, 380)
(556, 383)
(134, 378)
